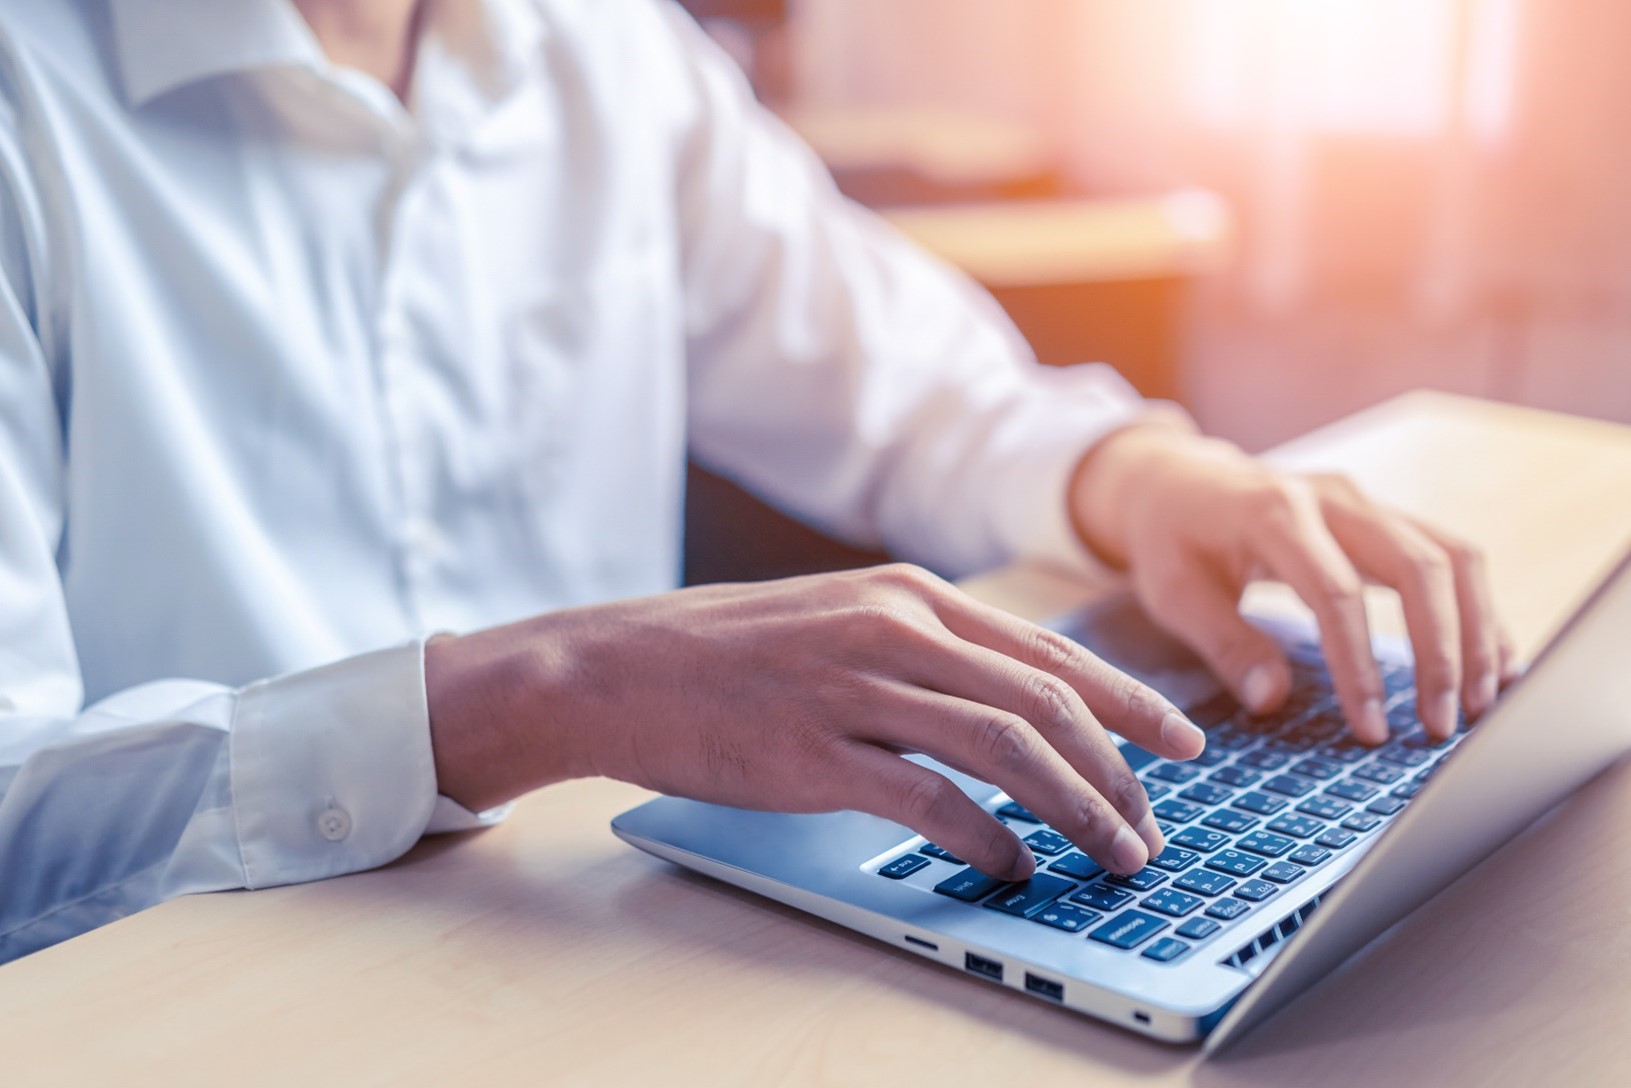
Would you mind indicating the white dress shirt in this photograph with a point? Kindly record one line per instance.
(291, 375)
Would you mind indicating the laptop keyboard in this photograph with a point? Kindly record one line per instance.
(1269, 801)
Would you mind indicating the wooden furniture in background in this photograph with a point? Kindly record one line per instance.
(544, 951)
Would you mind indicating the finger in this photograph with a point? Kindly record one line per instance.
(1054, 710)
(1485, 646)
(1397, 554)
(1298, 548)
(931, 804)
(1134, 710)
(1001, 747)
(1199, 608)
(1512, 667)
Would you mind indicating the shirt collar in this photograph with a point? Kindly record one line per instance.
(166, 44)
(163, 45)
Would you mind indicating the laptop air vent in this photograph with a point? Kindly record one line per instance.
(1272, 936)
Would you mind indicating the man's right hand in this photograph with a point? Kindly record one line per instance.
(802, 695)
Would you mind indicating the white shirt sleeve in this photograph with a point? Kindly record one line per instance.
(847, 376)
(177, 786)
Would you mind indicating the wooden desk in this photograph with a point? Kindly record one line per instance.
(547, 952)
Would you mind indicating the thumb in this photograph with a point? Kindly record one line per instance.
(1205, 615)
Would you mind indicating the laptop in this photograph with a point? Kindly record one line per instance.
(1289, 846)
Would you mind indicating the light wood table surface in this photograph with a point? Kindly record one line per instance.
(546, 952)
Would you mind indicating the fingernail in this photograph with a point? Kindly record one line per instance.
(1127, 851)
(1447, 710)
(1180, 734)
(1372, 724)
(1258, 687)
(1488, 689)
(1149, 833)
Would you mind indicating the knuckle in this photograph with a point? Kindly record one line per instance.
(1093, 820)
(1428, 568)
(908, 576)
(1467, 558)
(925, 798)
(1002, 742)
(1337, 485)
(1342, 589)
(1127, 794)
(1051, 700)
(1051, 651)
(1278, 503)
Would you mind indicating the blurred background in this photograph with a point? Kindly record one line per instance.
(1274, 211)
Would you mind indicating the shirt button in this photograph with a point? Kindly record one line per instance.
(334, 824)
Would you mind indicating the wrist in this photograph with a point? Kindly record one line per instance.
(1123, 470)
(497, 726)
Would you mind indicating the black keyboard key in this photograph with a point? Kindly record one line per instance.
(1264, 760)
(1176, 773)
(1385, 806)
(1102, 897)
(1404, 755)
(1283, 872)
(1344, 750)
(1175, 903)
(1155, 791)
(1349, 790)
(940, 852)
(1066, 917)
(1198, 838)
(1141, 881)
(1326, 808)
(1179, 812)
(1128, 930)
(1211, 756)
(1047, 842)
(1174, 859)
(969, 885)
(1204, 882)
(1260, 803)
(1225, 819)
(1298, 827)
(1029, 896)
(1309, 854)
(1255, 891)
(1206, 793)
(1290, 784)
(1228, 909)
(1336, 838)
(1234, 863)
(1317, 768)
(903, 866)
(1235, 776)
(1016, 811)
(1198, 929)
(1076, 865)
(1362, 821)
(1165, 950)
(1265, 843)
(1380, 773)
(1407, 790)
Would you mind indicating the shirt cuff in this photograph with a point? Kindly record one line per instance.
(332, 770)
(1076, 408)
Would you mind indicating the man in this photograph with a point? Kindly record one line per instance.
(333, 331)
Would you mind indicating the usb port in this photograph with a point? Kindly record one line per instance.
(1045, 987)
(979, 965)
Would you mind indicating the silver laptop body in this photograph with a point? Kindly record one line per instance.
(1563, 723)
